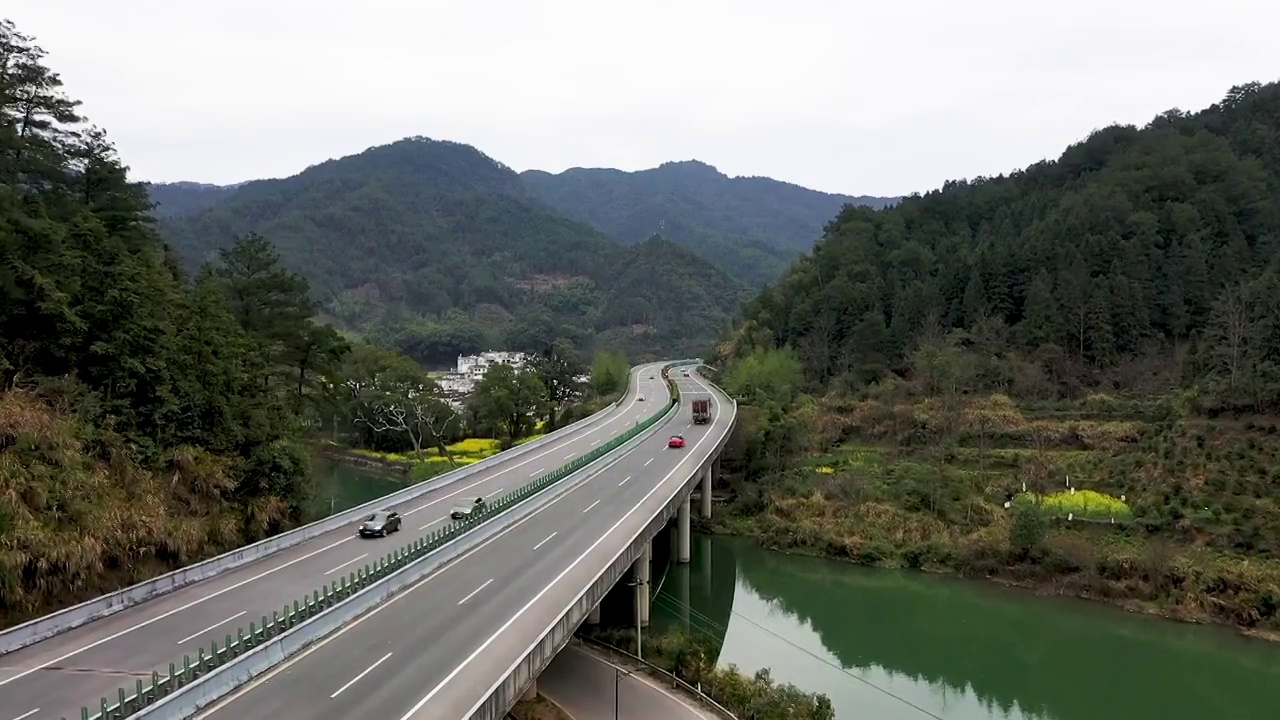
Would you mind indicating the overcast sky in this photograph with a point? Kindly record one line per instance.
(839, 95)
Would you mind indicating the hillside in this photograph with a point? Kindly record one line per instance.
(186, 198)
(922, 387)
(437, 249)
(751, 227)
(144, 425)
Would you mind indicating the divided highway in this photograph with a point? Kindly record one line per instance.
(436, 649)
(55, 677)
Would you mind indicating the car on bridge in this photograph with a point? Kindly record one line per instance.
(462, 512)
(676, 441)
(639, 398)
(380, 524)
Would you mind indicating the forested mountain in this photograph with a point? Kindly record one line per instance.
(177, 199)
(1140, 256)
(751, 227)
(146, 420)
(436, 249)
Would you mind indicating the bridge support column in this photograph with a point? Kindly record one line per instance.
(715, 469)
(646, 577)
(640, 579)
(530, 692)
(706, 491)
(593, 618)
(682, 530)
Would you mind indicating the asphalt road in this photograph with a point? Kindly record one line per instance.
(54, 678)
(436, 649)
(584, 685)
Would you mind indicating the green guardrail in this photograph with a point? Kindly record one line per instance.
(161, 685)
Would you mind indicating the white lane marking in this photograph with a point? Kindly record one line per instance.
(198, 633)
(27, 714)
(613, 431)
(592, 505)
(569, 456)
(536, 473)
(495, 492)
(624, 481)
(507, 625)
(354, 559)
(164, 615)
(646, 462)
(354, 679)
(473, 592)
(544, 541)
(433, 522)
(595, 443)
(284, 667)
(271, 571)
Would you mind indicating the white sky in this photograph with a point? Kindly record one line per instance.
(844, 96)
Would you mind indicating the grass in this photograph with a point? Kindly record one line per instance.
(1195, 502)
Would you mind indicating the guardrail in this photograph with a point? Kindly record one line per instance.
(538, 655)
(376, 578)
(676, 681)
(41, 628)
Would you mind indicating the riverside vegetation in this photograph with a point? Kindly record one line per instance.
(692, 660)
(1068, 378)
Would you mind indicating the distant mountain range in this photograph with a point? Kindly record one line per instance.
(437, 249)
(750, 227)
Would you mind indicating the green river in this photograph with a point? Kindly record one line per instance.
(908, 646)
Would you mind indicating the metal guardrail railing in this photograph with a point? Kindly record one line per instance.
(702, 697)
(52, 624)
(130, 701)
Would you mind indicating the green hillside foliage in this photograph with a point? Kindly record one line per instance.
(1088, 271)
(750, 227)
(1108, 319)
(436, 249)
(146, 421)
(185, 198)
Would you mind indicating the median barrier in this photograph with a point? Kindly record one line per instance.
(47, 626)
(195, 683)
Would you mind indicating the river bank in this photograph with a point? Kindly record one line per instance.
(890, 643)
(1130, 504)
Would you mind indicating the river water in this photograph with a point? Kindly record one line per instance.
(887, 645)
(890, 645)
(341, 487)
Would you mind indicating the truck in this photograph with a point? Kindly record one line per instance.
(702, 411)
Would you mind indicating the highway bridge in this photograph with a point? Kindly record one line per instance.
(465, 641)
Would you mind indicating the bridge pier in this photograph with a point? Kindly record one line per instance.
(593, 617)
(683, 531)
(641, 573)
(706, 491)
(530, 692)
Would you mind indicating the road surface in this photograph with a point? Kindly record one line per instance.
(583, 684)
(55, 677)
(436, 649)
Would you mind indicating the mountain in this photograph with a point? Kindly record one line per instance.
(1098, 269)
(751, 227)
(437, 249)
(178, 199)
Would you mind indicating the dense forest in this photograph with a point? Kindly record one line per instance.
(433, 248)
(147, 418)
(750, 227)
(178, 199)
(1068, 377)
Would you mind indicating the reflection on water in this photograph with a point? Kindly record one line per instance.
(341, 487)
(879, 643)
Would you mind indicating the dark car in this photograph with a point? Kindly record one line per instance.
(380, 524)
(676, 441)
(462, 512)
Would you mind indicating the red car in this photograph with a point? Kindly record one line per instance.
(676, 441)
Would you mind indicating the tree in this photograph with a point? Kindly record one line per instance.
(557, 368)
(609, 372)
(507, 400)
(408, 402)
